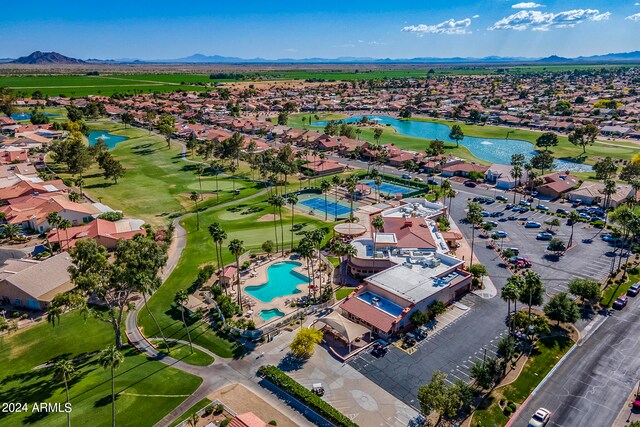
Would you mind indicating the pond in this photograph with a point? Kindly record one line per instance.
(27, 116)
(110, 139)
(493, 150)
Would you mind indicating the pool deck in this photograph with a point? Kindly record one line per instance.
(258, 276)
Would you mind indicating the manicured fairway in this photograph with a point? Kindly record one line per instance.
(147, 390)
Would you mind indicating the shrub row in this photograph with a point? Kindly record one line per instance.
(291, 386)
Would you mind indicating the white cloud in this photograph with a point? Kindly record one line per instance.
(527, 5)
(476, 16)
(447, 27)
(544, 21)
(635, 17)
(636, 4)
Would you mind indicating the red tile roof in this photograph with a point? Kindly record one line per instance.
(410, 232)
(248, 419)
(375, 317)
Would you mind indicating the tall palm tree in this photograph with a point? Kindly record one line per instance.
(306, 251)
(65, 225)
(236, 248)
(452, 194)
(64, 370)
(474, 217)
(148, 285)
(292, 199)
(111, 358)
(445, 187)
(351, 184)
(325, 186)
(200, 170)
(609, 190)
(349, 251)
(378, 225)
(181, 298)
(573, 218)
(216, 167)
(510, 292)
(194, 198)
(336, 181)
(80, 183)
(273, 201)
(378, 182)
(219, 236)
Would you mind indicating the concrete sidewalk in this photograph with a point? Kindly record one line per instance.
(627, 414)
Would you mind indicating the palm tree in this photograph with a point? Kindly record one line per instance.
(325, 186)
(200, 170)
(236, 248)
(474, 217)
(219, 236)
(147, 285)
(452, 194)
(80, 183)
(349, 251)
(11, 230)
(510, 292)
(608, 190)
(194, 198)
(378, 225)
(111, 358)
(351, 184)
(378, 182)
(336, 181)
(64, 370)
(277, 201)
(573, 218)
(516, 174)
(65, 225)
(306, 251)
(181, 298)
(215, 167)
(292, 199)
(445, 186)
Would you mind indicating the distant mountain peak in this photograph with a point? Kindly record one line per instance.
(38, 57)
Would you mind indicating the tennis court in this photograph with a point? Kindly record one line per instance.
(389, 188)
(318, 204)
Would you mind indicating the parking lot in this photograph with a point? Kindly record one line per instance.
(586, 260)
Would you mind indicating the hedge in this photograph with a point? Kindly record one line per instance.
(291, 386)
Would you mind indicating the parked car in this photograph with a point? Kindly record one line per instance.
(489, 201)
(432, 181)
(520, 261)
(406, 176)
(562, 211)
(479, 199)
(542, 207)
(470, 184)
(540, 418)
(501, 198)
(609, 238)
(634, 290)
(485, 214)
(516, 251)
(534, 193)
(585, 216)
(544, 236)
(512, 218)
(509, 206)
(497, 214)
(532, 224)
(501, 234)
(621, 302)
(524, 210)
(524, 203)
(493, 223)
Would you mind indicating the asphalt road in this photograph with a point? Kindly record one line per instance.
(593, 383)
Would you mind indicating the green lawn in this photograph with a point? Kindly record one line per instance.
(614, 290)
(182, 352)
(157, 183)
(548, 353)
(195, 408)
(75, 337)
(241, 221)
(342, 293)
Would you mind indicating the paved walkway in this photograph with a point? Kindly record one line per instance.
(627, 413)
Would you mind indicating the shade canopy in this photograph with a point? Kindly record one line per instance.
(345, 327)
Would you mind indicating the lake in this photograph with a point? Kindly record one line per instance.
(492, 150)
(110, 139)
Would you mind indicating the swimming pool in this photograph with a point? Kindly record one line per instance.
(494, 150)
(386, 187)
(381, 303)
(281, 281)
(27, 116)
(318, 203)
(270, 314)
(110, 139)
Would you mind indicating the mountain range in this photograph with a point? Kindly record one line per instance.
(56, 58)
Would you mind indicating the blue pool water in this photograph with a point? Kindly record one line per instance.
(109, 139)
(318, 204)
(270, 314)
(281, 281)
(27, 116)
(388, 188)
(381, 303)
(488, 149)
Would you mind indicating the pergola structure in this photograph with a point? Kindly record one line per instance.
(345, 327)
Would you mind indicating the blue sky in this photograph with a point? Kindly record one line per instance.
(278, 29)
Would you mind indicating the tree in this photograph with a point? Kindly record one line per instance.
(543, 161)
(377, 133)
(557, 246)
(610, 188)
(377, 223)
(437, 396)
(127, 118)
(283, 118)
(219, 236)
(419, 318)
(277, 201)
(573, 218)
(561, 308)
(267, 246)
(456, 134)
(65, 224)
(64, 370)
(605, 168)
(194, 198)
(546, 140)
(236, 248)
(292, 199)
(506, 349)
(112, 168)
(167, 126)
(74, 113)
(150, 117)
(181, 298)
(147, 286)
(115, 283)
(7, 101)
(53, 218)
(555, 222)
(110, 358)
(325, 186)
(532, 292)
(478, 271)
(584, 135)
(11, 231)
(474, 217)
(586, 289)
(351, 184)
(485, 372)
(435, 148)
(304, 342)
